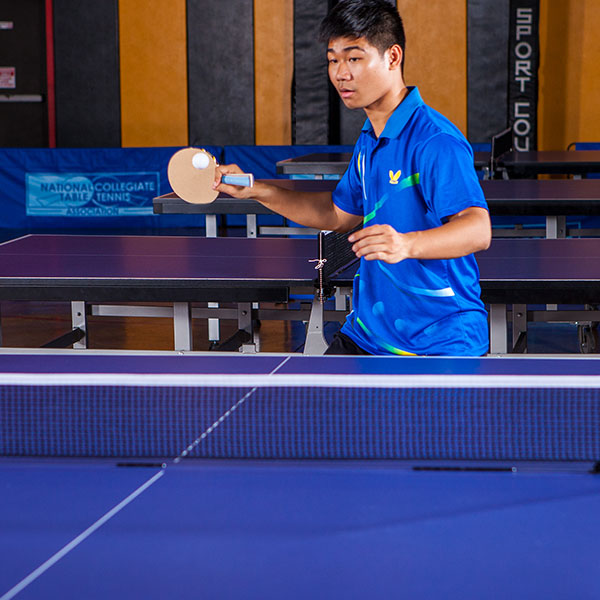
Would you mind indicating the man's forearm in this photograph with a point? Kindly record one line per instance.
(311, 209)
(465, 233)
(461, 235)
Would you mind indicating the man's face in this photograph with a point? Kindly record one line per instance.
(361, 75)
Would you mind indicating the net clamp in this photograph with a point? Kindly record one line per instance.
(319, 266)
(320, 262)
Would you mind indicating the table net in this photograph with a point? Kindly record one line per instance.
(335, 248)
(301, 421)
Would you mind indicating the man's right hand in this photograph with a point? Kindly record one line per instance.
(234, 190)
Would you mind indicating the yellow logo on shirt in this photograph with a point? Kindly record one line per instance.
(394, 177)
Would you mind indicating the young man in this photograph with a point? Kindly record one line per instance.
(412, 184)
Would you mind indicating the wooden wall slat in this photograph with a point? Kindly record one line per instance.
(569, 73)
(589, 120)
(436, 54)
(274, 70)
(153, 58)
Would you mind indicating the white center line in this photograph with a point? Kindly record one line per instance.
(80, 538)
(111, 513)
(222, 418)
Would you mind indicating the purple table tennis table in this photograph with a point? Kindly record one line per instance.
(553, 199)
(466, 486)
(178, 270)
(182, 270)
(319, 164)
(565, 162)
(226, 205)
(575, 162)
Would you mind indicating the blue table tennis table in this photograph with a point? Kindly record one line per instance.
(444, 477)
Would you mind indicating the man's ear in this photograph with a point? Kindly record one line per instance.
(394, 55)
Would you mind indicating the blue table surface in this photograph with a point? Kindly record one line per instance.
(235, 529)
(295, 529)
(206, 363)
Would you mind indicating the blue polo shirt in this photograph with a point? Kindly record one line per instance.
(416, 174)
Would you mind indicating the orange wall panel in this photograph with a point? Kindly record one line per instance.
(436, 54)
(569, 77)
(153, 63)
(273, 70)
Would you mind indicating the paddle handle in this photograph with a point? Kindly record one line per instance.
(240, 179)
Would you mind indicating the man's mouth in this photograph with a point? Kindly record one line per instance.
(346, 93)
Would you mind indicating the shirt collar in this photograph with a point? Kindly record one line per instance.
(400, 116)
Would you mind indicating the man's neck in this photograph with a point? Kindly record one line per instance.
(379, 113)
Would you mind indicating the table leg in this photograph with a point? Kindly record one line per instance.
(251, 232)
(79, 321)
(251, 228)
(556, 226)
(498, 333)
(246, 325)
(341, 299)
(519, 328)
(214, 333)
(182, 325)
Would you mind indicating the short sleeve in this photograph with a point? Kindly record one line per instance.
(348, 194)
(447, 176)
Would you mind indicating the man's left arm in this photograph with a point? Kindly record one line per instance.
(465, 232)
(452, 193)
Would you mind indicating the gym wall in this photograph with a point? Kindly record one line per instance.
(144, 73)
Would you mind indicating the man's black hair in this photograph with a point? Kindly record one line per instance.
(377, 21)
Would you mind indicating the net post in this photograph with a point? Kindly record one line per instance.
(315, 343)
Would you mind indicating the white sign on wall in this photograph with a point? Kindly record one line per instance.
(8, 79)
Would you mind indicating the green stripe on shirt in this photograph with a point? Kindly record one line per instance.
(404, 183)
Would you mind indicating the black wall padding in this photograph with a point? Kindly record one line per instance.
(23, 47)
(311, 92)
(88, 112)
(221, 72)
(487, 63)
(523, 64)
(319, 115)
(351, 122)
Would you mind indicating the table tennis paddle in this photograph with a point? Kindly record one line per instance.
(191, 173)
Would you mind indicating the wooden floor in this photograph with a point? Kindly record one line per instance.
(33, 324)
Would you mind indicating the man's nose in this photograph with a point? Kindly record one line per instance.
(342, 72)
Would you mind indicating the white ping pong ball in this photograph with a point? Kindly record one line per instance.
(200, 160)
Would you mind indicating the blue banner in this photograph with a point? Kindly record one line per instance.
(63, 189)
(91, 194)
(87, 188)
